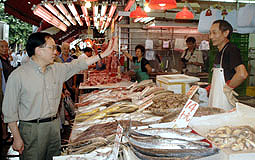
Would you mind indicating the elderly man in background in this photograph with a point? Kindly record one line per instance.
(6, 69)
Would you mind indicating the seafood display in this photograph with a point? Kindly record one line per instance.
(168, 133)
(240, 138)
(137, 108)
(202, 111)
(166, 102)
(156, 143)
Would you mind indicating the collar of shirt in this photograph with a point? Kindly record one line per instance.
(69, 59)
(37, 67)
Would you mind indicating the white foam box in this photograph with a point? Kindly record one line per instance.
(178, 83)
(242, 116)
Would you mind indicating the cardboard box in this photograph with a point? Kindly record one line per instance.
(242, 116)
(178, 83)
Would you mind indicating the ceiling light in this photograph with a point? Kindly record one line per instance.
(88, 4)
(62, 8)
(138, 13)
(95, 10)
(129, 5)
(162, 4)
(56, 13)
(184, 14)
(208, 12)
(75, 13)
(112, 10)
(84, 11)
(48, 17)
(147, 9)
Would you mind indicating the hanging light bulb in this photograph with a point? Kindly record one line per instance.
(138, 13)
(208, 12)
(88, 4)
(184, 14)
(162, 4)
(146, 7)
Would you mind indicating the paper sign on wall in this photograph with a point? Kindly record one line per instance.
(186, 114)
(116, 146)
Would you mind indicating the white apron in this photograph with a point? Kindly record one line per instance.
(217, 98)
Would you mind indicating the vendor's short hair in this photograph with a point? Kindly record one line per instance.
(87, 49)
(35, 40)
(224, 26)
(191, 39)
(141, 47)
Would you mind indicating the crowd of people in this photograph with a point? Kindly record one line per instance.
(34, 88)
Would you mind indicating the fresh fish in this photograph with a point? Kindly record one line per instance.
(168, 133)
(167, 144)
(173, 155)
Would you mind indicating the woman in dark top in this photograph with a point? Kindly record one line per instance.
(142, 66)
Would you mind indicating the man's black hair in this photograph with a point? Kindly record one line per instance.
(191, 39)
(224, 26)
(87, 49)
(35, 40)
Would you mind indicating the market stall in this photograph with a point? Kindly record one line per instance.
(167, 116)
(145, 112)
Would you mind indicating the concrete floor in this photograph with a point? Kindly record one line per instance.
(7, 153)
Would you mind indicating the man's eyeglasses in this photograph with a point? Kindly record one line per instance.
(53, 48)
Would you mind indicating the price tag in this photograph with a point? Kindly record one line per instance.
(116, 146)
(192, 91)
(186, 114)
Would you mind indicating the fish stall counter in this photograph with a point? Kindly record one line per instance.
(233, 132)
(145, 112)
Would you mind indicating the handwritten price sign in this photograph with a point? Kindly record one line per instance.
(186, 114)
(115, 151)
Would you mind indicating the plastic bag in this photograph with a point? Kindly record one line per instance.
(205, 22)
(69, 106)
(245, 17)
(217, 98)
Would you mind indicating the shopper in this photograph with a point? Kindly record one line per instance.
(32, 97)
(228, 58)
(142, 66)
(5, 71)
(192, 58)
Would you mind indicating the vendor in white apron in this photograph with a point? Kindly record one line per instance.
(229, 71)
(142, 67)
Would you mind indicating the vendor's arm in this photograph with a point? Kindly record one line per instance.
(129, 56)
(148, 67)
(18, 144)
(240, 75)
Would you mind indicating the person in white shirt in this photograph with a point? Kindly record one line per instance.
(192, 58)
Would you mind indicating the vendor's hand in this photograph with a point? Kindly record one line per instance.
(115, 44)
(112, 46)
(66, 93)
(230, 94)
(18, 145)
